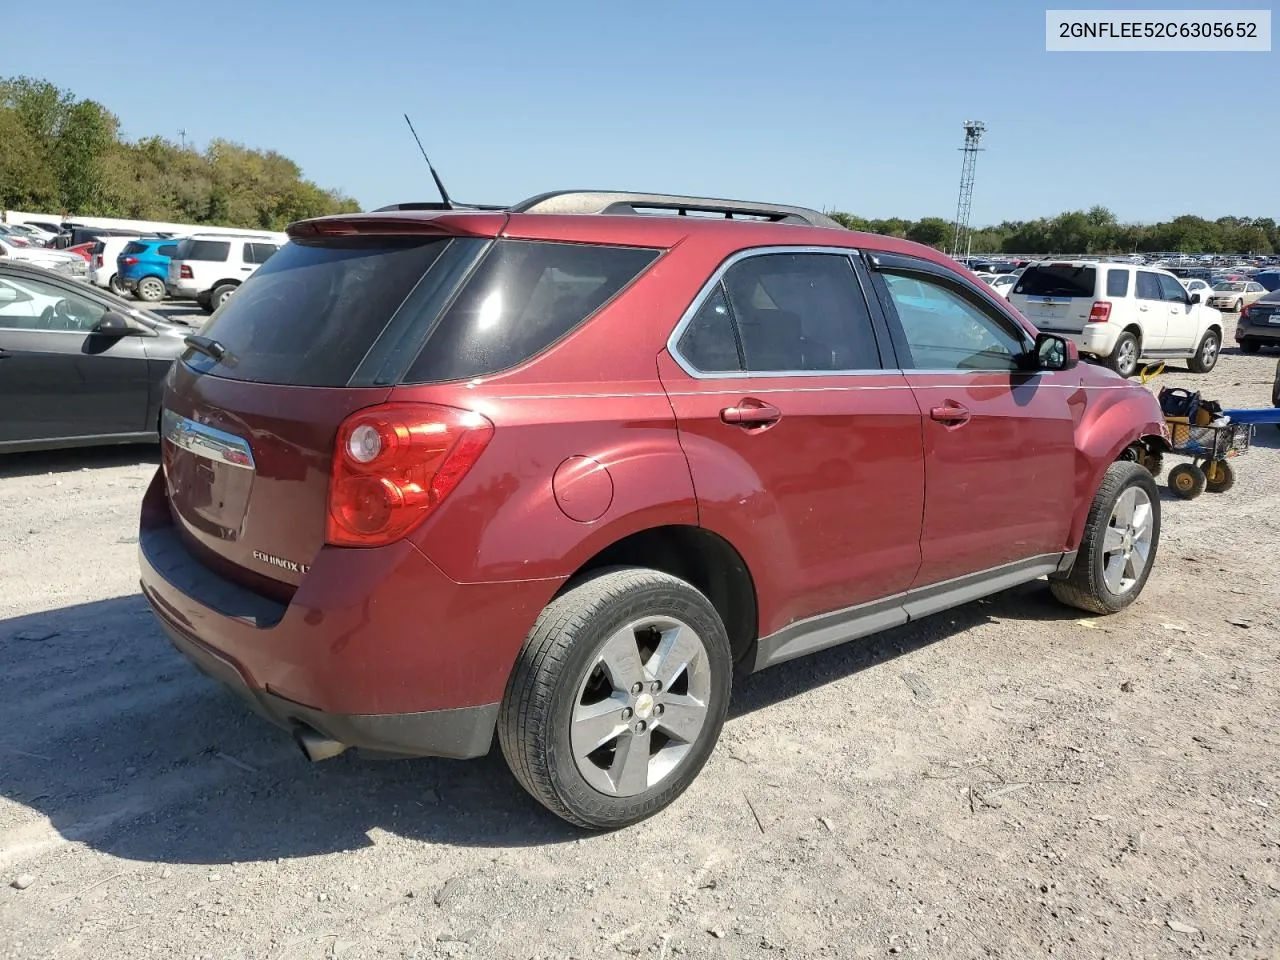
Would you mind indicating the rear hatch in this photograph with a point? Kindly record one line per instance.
(250, 417)
(1056, 296)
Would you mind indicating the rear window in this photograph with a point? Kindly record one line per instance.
(522, 298)
(134, 247)
(310, 314)
(167, 250)
(216, 250)
(1117, 283)
(1057, 280)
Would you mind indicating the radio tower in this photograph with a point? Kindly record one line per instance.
(973, 131)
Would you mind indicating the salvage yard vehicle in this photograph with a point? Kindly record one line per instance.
(557, 470)
(143, 266)
(78, 366)
(1235, 295)
(1259, 324)
(209, 267)
(1120, 313)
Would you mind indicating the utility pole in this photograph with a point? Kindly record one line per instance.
(182, 132)
(973, 131)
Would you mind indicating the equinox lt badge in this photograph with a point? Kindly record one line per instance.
(280, 562)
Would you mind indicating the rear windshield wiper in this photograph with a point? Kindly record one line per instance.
(209, 347)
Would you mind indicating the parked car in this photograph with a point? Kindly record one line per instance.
(78, 366)
(60, 261)
(1236, 295)
(14, 236)
(1120, 313)
(143, 266)
(102, 263)
(1197, 285)
(557, 470)
(48, 227)
(1004, 282)
(207, 268)
(1259, 323)
(1269, 279)
(32, 234)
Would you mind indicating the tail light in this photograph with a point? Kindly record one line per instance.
(1100, 312)
(128, 261)
(392, 465)
(1245, 312)
(97, 262)
(185, 272)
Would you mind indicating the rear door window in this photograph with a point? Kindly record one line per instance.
(1117, 283)
(211, 250)
(1057, 280)
(309, 315)
(258, 252)
(524, 296)
(1149, 286)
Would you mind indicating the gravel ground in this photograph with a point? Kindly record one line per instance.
(1005, 780)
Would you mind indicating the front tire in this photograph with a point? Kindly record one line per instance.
(1239, 306)
(1219, 476)
(1206, 357)
(1124, 355)
(582, 725)
(1187, 481)
(1121, 539)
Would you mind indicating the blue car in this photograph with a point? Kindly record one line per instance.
(143, 266)
(1269, 279)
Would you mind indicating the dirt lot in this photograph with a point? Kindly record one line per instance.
(1007, 780)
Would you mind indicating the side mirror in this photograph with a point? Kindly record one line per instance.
(1196, 298)
(114, 324)
(1055, 353)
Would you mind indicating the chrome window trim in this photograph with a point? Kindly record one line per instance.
(206, 441)
(705, 291)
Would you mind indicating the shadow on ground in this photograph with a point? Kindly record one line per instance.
(84, 458)
(124, 747)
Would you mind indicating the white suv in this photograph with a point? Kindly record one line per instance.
(1120, 313)
(208, 267)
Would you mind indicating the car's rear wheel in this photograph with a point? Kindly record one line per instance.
(220, 295)
(150, 289)
(617, 698)
(116, 285)
(1239, 306)
(1206, 357)
(1124, 355)
(1250, 346)
(1118, 550)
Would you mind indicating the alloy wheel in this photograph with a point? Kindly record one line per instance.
(1126, 546)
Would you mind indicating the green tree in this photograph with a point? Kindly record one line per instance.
(932, 231)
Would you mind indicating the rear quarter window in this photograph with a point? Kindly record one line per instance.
(212, 250)
(1057, 280)
(524, 296)
(168, 250)
(134, 247)
(1117, 283)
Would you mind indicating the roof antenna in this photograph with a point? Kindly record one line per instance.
(444, 194)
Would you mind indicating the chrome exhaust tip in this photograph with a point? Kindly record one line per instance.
(316, 746)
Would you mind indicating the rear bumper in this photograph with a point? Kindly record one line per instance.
(377, 648)
(1099, 339)
(186, 289)
(1267, 334)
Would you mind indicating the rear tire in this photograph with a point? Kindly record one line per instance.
(1187, 481)
(150, 289)
(1124, 355)
(1219, 476)
(593, 651)
(1111, 569)
(219, 296)
(1239, 306)
(116, 286)
(1206, 357)
(1250, 346)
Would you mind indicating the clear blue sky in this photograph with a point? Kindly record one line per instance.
(848, 104)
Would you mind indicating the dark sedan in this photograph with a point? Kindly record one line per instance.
(1259, 324)
(78, 366)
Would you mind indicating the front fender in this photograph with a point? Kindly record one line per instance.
(1118, 416)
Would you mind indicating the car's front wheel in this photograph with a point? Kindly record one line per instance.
(1124, 355)
(1118, 549)
(617, 698)
(1206, 357)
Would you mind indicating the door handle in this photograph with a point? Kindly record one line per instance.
(246, 268)
(950, 413)
(751, 413)
(4, 354)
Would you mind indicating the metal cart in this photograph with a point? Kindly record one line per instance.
(1211, 448)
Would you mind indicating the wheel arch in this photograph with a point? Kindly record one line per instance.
(698, 556)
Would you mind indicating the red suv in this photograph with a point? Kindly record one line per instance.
(556, 470)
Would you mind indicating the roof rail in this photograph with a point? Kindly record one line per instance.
(619, 202)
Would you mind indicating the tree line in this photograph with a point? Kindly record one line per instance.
(1096, 230)
(64, 155)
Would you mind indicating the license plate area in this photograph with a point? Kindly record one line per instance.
(209, 474)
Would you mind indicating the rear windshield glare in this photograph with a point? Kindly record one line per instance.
(1052, 280)
(524, 296)
(216, 250)
(309, 315)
